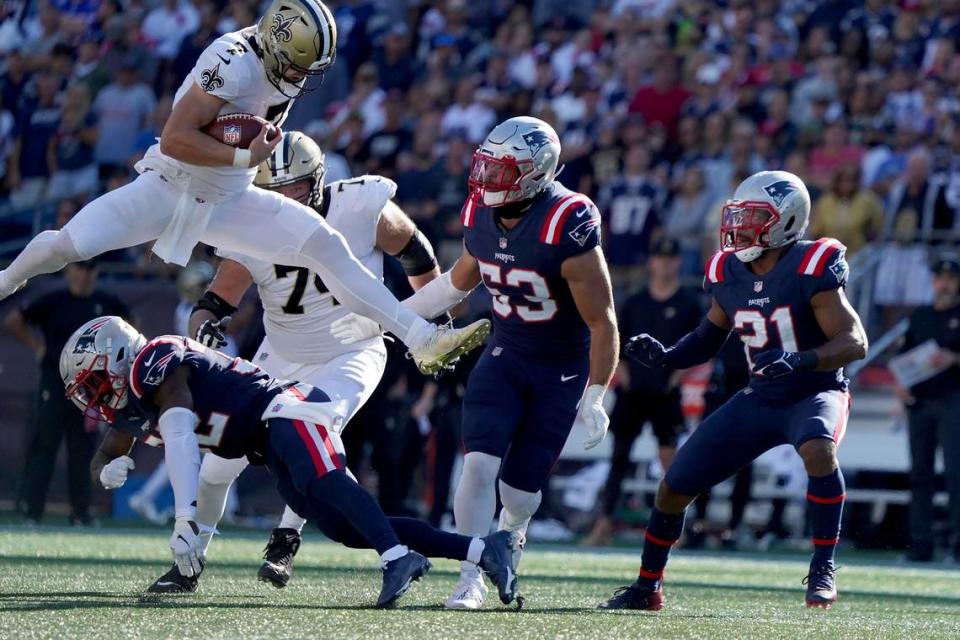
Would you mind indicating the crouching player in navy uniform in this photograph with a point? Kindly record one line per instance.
(175, 392)
(784, 298)
(536, 247)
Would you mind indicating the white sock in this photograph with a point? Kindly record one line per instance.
(155, 483)
(476, 550)
(393, 553)
(475, 501)
(211, 500)
(290, 520)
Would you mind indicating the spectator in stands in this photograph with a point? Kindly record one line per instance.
(685, 218)
(13, 81)
(70, 156)
(661, 101)
(6, 146)
(379, 151)
(167, 24)
(148, 136)
(36, 124)
(89, 69)
(835, 152)
(852, 215)
(666, 311)
(396, 66)
(917, 205)
(934, 411)
(44, 324)
(123, 109)
(631, 206)
(467, 116)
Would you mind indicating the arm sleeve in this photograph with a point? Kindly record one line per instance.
(435, 298)
(696, 347)
(182, 455)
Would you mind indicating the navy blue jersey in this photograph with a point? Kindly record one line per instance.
(773, 311)
(229, 395)
(632, 208)
(533, 310)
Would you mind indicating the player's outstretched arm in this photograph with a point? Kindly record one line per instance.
(847, 341)
(589, 281)
(398, 236)
(183, 139)
(114, 446)
(218, 303)
(181, 450)
(695, 348)
(447, 291)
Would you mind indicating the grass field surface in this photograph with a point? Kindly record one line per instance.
(62, 583)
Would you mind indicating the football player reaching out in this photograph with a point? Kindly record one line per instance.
(193, 188)
(784, 298)
(536, 247)
(175, 392)
(310, 336)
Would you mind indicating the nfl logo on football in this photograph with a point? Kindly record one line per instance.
(231, 134)
(758, 286)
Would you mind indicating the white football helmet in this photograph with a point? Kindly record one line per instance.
(516, 161)
(95, 365)
(769, 209)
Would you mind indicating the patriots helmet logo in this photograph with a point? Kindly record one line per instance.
(779, 190)
(210, 79)
(536, 139)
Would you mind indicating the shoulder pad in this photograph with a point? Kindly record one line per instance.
(221, 68)
(818, 255)
(713, 271)
(572, 215)
(154, 363)
(364, 194)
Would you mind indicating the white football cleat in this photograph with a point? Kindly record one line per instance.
(442, 346)
(469, 593)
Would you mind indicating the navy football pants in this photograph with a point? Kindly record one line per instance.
(746, 426)
(522, 411)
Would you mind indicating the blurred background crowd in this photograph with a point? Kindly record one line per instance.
(662, 107)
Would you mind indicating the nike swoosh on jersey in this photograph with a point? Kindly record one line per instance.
(222, 59)
(148, 361)
(564, 378)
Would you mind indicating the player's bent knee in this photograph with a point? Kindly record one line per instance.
(521, 504)
(480, 469)
(669, 501)
(819, 456)
(215, 470)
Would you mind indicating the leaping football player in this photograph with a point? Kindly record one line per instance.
(310, 336)
(195, 188)
(784, 297)
(536, 247)
(175, 392)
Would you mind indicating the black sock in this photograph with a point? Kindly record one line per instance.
(433, 543)
(336, 490)
(825, 496)
(662, 532)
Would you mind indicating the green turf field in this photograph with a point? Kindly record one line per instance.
(56, 583)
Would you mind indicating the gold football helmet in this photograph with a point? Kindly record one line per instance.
(298, 36)
(296, 158)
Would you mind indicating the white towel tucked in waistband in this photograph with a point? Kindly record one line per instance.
(189, 221)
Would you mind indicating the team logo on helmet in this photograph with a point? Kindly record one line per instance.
(86, 343)
(778, 191)
(210, 79)
(280, 28)
(231, 134)
(536, 139)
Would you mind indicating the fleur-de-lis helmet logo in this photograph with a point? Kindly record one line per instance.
(210, 79)
(280, 28)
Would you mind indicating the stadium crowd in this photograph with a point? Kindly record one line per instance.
(662, 107)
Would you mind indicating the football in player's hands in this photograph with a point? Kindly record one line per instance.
(646, 350)
(239, 129)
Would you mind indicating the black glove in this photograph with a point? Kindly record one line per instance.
(212, 333)
(646, 350)
(777, 363)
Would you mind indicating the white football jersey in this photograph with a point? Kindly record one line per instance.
(297, 308)
(231, 70)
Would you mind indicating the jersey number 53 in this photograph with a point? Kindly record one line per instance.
(541, 308)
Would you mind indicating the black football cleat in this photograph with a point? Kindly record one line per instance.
(821, 586)
(174, 582)
(278, 557)
(635, 597)
(497, 562)
(399, 575)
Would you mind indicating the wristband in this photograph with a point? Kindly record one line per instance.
(808, 360)
(241, 158)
